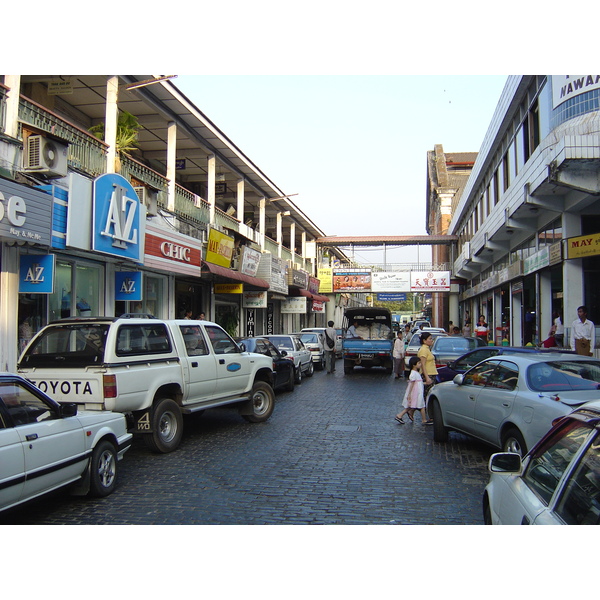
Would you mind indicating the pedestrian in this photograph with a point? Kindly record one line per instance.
(467, 328)
(583, 333)
(414, 397)
(428, 368)
(398, 355)
(330, 336)
(559, 329)
(201, 317)
(455, 332)
(481, 329)
(351, 333)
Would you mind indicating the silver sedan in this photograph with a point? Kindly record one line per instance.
(510, 402)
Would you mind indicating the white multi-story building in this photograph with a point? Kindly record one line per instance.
(528, 221)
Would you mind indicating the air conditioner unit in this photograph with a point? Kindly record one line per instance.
(45, 156)
(148, 198)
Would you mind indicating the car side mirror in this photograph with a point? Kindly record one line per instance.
(505, 462)
(242, 347)
(283, 353)
(458, 379)
(69, 409)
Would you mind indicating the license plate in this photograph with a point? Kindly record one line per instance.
(365, 356)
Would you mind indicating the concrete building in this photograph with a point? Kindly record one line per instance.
(118, 195)
(447, 175)
(528, 220)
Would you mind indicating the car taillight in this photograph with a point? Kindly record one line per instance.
(109, 385)
(290, 358)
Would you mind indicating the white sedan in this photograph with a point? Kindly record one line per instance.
(45, 445)
(511, 401)
(557, 483)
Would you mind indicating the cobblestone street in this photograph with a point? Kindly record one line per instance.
(330, 454)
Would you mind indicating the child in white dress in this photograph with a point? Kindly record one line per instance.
(414, 398)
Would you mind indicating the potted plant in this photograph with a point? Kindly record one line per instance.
(127, 135)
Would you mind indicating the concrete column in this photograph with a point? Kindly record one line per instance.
(279, 232)
(262, 205)
(171, 158)
(293, 238)
(544, 316)
(212, 170)
(9, 294)
(516, 305)
(240, 200)
(110, 122)
(572, 277)
(12, 105)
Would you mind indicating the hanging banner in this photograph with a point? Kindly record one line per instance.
(391, 281)
(36, 274)
(294, 306)
(352, 280)
(254, 300)
(318, 306)
(325, 277)
(249, 261)
(220, 248)
(128, 286)
(228, 288)
(430, 281)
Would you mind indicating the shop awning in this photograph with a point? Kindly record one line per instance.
(307, 294)
(230, 274)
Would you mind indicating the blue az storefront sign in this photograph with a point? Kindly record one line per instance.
(119, 218)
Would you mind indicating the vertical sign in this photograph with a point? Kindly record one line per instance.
(250, 323)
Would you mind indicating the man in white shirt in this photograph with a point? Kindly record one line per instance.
(352, 333)
(583, 333)
(330, 337)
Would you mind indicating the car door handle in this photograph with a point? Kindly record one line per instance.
(31, 437)
(221, 361)
(194, 364)
(505, 404)
(471, 397)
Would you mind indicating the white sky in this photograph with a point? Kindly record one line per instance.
(352, 147)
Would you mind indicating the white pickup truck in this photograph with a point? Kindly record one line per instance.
(153, 370)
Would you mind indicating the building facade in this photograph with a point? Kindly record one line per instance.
(118, 195)
(528, 221)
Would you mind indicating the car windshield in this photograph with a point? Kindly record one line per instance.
(561, 375)
(282, 342)
(310, 338)
(69, 345)
(451, 344)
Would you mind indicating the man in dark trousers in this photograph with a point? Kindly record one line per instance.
(330, 337)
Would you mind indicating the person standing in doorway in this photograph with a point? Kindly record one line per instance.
(330, 336)
(467, 328)
(398, 355)
(583, 333)
(481, 329)
(559, 329)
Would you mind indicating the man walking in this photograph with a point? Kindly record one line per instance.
(330, 336)
(583, 333)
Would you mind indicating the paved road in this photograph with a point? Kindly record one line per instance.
(330, 454)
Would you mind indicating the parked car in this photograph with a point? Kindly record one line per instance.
(295, 351)
(338, 339)
(447, 348)
(414, 344)
(283, 368)
(315, 342)
(557, 483)
(510, 401)
(45, 445)
(471, 358)
(417, 324)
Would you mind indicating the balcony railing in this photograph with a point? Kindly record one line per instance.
(191, 206)
(224, 220)
(86, 152)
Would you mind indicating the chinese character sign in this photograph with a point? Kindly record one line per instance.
(430, 281)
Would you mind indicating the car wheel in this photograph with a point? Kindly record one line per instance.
(263, 402)
(167, 426)
(348, 366)
(298, 374)
(512, 441)
(440, 433)
(487, 512)
(311, 369)
(289, 387)
(103, 475)
(321, 364)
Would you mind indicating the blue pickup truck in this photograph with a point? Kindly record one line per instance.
(368, 338)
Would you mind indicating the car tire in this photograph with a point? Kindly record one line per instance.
(263, 402)
(348, 367)
(440, 433)
(103, 469)
(513, 441)
(321, 364)
(298, 374)
(289, 386)
(311, 369)
(167, 426)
